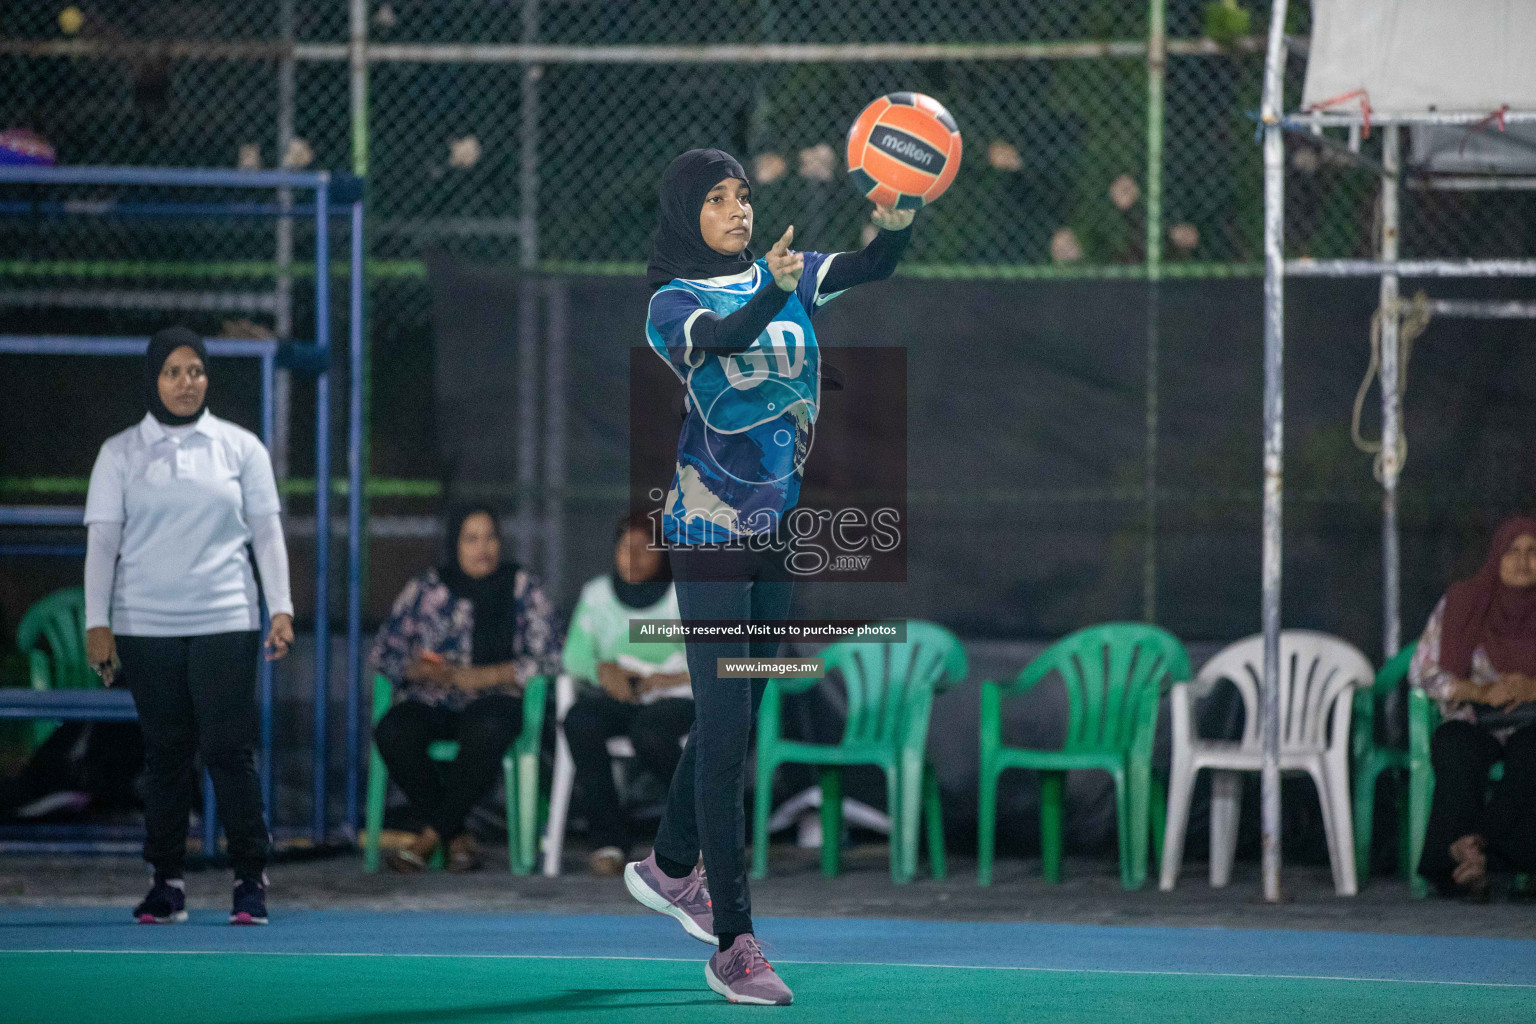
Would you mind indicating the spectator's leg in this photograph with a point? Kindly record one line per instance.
(485, 729)
(1461, 754)
(589, 724)
(1509, 820)
(221, 671)
(402, 736)
(655, 731)
(155, 669)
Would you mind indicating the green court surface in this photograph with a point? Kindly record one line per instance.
(327, 989)
(205, 973)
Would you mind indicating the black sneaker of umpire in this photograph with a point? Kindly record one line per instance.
(165, 904)
(250, 901)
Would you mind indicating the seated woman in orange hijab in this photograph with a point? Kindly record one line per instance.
(1477, 657)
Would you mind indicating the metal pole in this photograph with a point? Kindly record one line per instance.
(1411, 268)
(355, 498)
(528, 294)
(1274, 439)
(357, 58)
(268, 396)
(263, 666)
(554, 439)
(1391, 406)
(283, 292)
(362, 407)
(322, 689)
(1157, 73)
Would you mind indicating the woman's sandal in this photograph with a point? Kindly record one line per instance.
(413, 858)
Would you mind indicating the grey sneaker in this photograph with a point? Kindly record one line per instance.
(686, 899)
(743, 975)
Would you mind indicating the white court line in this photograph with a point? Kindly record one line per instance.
(809, 963)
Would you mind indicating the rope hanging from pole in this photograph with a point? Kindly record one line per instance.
(1415, 316)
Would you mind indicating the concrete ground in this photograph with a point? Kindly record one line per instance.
(1089, 894)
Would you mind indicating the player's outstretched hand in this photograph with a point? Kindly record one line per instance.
(891, 219)
(785, 266)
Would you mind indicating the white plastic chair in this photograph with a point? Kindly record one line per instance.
(620, 750)
(1318, 676)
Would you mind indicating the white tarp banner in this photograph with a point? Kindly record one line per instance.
(1414, 56)
(1441, 149)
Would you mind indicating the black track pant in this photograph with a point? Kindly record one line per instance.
(705, 809)
(654, 729)
(442, 794)
(1462, 754)
(197, 694)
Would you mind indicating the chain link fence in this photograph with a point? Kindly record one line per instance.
(533, 133)
(471, 151)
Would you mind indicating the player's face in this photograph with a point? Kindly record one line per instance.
(183, 382)
(726, 218)
(479, 547)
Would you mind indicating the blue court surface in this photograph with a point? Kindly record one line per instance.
(89, 964)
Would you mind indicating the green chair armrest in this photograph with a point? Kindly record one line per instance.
(535, 700)
(383, 696)
(1423, 718)
(41, 671)
(1021, 683)
(1393, 672)
(1362, 726)
(1146, 725)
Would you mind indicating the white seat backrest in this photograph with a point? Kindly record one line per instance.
(1315, 670)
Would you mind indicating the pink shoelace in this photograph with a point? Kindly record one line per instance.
(747, 948)
(698, 886)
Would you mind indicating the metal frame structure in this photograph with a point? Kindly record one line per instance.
(1390, 270)
(315, 356)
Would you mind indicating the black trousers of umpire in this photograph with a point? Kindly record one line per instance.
(1462, 754)
(197, 694)
(654, 729)
(705, 809)
(442, 794)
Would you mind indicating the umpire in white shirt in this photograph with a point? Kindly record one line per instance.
(175, 504)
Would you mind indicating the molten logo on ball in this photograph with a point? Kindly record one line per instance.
(905, 146)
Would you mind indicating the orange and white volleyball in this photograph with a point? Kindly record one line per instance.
(903, 150)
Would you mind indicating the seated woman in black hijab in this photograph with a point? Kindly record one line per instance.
(460, 644)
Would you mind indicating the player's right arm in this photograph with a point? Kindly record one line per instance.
(690, 331)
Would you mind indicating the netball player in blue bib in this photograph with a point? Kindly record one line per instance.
(738, 332)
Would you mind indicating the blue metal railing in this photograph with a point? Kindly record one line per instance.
(335, 195)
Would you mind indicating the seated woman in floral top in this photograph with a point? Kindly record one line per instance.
(461, 642)
(1477, 657)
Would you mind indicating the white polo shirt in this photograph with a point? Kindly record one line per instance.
(185, 504)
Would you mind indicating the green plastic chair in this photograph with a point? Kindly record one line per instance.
(1114, 675)
(520, 770)
(890, 691)
(1371, 759)
(52, 636)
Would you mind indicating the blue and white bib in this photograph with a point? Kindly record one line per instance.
(742, 449)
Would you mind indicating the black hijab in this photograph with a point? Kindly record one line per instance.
(161, 344)
(493, 596)
(678, 249)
